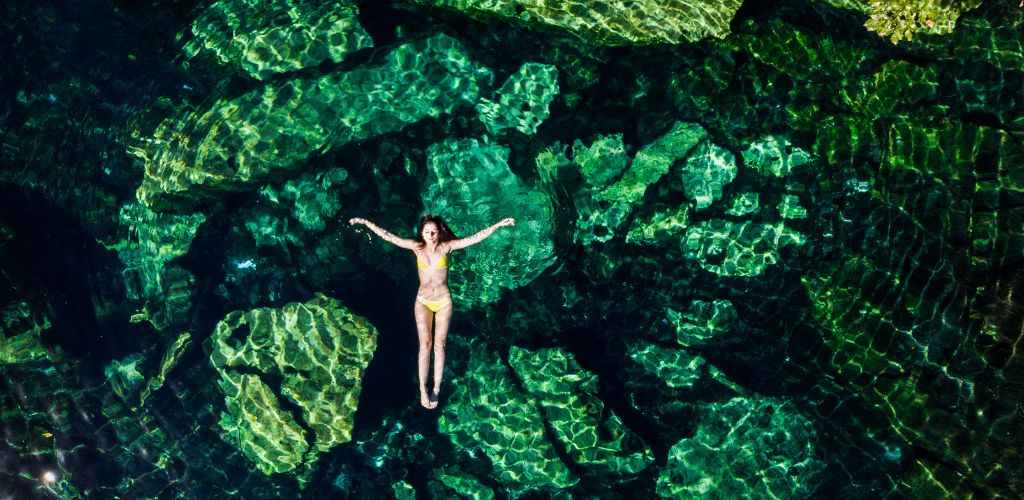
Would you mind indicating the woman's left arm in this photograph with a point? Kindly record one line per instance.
(480, 236)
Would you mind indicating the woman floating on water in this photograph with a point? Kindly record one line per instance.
(433, 307)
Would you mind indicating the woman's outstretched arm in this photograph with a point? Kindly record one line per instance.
(384, 235)
(481, 236)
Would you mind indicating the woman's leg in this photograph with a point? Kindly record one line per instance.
(424, 321)
(443, 318)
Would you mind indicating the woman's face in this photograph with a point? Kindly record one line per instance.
(430, 233)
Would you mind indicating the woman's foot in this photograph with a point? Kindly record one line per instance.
(428, 402)
(435, 396)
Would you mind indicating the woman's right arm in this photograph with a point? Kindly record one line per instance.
(384, 235)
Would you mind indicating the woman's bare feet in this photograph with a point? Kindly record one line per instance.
(435, 397)
(428, 402)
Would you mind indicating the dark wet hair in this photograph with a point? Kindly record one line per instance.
(444, 233)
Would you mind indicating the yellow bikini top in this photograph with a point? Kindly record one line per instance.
(441, 263)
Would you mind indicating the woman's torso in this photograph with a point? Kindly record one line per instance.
(433, 271)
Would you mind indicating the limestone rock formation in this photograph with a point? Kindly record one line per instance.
(314, 353)
(265, 38)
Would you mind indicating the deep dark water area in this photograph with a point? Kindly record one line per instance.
(762, 249)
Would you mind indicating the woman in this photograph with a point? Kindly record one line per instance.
(433, 306)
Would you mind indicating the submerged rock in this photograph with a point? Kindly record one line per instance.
(272, 131)
(708, 169)
(522, 101)
(702, 321)
(471, 185)
(309, 200)
(745, 448)
(124, 375)
(774, 155)
(653, 161)
(737, 249)
(488, 413)
(603, 161)
(167, 363)
(151, 241)
(676, 367)
(661, 226)
(317, 350)
(19, 336)
(450, 482)
(806, 55)
(744, 204)
(897, 87)
(591, 436)
(790, 208)
(612, 22)
(268, 37)
(608, 200)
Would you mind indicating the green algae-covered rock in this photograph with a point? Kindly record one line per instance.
(151, 241)
(607, 202)
(603, 161)
(992, 40)
(127, 377)
(20, 328)
(958, 180)
(662, 226)
(844, 141)
(898, 86)
(451, 482)
(676, 367)
(877, 345)
(255, 422)
(708, 169)
(318, 350)
(23, 348)
(471, 185)
(611, 22)
(567, 394)
(745, 448)
(310, 197)
(653, 161)
(169, 360)
(774, 155)
(276, 36)
(487, 413)
(789, 207)
(803, 54)
(744, 204)
(403, 491)
(124, 376)
(737, 249)
(272, 131)
(702, 321)
(522, 101)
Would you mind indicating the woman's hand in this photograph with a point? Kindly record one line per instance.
(358, 220)
(508, 221)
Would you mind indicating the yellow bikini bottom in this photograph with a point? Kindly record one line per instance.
(434, 305)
